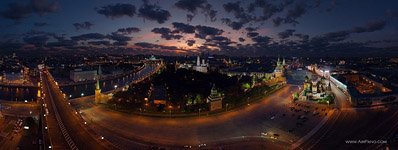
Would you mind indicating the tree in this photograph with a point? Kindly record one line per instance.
(295, 96)
(246, 86)
(198, 99)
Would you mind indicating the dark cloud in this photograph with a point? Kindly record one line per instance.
(18, 10)
(370, 27)
(40, 24)
(89, 36)
(241, 39)
(44, 6)
(249, 15)
(250, 29)
(268, 9)
(183, 28)
(294, 13)
(233, 24)
(252, 34)
(190, 42)
(84, 25)
(119, 38)
(190, 5)
(339, 36)
(277, 21)
(147, 45)
(303, 37)
(336, 36)
(117, 10)
(239, 13)
(219, 42)
(233, 7)
(285, 34)
(128, 30)
(189, 17)
(98, 39)
(166, 33)
(219, 39)
(204, 31)
(62, 43)
(209, 12)
(236, 25)
(39, 40)
(154, 12)
(120, 43)
(262, 40)
(99, 43)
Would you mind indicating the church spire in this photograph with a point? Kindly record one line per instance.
(99, 72)
(278, 62)
(198, 61)
(97, 85)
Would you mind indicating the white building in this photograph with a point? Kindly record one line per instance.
(201, 66)
(78, 75)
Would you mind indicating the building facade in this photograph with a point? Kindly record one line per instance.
(78, 75)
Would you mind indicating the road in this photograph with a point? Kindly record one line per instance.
(62, 117)
(245, 123)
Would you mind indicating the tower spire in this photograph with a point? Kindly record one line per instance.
(97, 85)
(99, 72)
(198, 61)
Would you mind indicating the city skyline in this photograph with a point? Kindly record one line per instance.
(182, 27)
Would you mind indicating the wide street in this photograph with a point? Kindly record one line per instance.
(272, 123)
(62, 117)
(271, 116)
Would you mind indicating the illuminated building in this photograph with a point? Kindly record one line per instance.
(280, 68)
(158, 95)
(100, 97)
(365, 90)
(318, 89)
(201, 66)
(215, 99)
(78, 75)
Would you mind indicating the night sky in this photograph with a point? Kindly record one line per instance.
(183, 27)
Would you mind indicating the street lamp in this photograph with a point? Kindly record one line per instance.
(170, 107)
(226, 107)
(199, 112)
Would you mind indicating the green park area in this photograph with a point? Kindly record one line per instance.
(185, 91)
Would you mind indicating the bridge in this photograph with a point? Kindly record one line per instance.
(66, 128)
